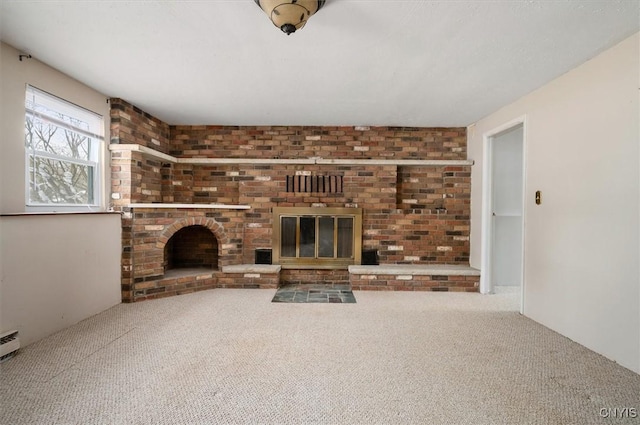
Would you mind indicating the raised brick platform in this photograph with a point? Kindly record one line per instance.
(400, 277)
(176, 282)
(392, 277)
(262, 276)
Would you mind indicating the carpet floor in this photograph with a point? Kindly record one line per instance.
(230, 356)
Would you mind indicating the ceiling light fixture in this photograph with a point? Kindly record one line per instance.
(290, 15)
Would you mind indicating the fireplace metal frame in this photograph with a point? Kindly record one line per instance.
(316, 262)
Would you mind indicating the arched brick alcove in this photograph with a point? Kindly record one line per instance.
(191, 247)
(192, 243)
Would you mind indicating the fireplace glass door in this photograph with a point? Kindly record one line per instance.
(317, 237)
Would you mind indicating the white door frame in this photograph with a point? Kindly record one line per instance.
(486, 278)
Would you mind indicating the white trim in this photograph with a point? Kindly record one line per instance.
(234, 161)
(303, 161)
(58, 104)
(404, 162)
(205, 206)
(66, 208)
(96, 186)
(64, 125)
(62, 158)
(145, 151)
(486, 285)
(38, 99)
(486, 228)
(524, 210)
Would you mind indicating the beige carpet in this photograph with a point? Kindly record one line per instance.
(233, 356)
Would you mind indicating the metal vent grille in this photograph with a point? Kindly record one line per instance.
(315, 184)
(9, 344)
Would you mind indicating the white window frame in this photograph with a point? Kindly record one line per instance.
(95, 133)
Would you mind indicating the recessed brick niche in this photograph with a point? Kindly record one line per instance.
(192, 247)
(413, 185)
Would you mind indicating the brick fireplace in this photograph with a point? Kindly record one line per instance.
(221, 184)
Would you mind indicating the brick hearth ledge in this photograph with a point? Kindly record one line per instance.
(416, 269)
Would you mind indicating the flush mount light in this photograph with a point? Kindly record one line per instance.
(290, 15)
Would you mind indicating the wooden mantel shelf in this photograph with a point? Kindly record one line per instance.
(292, 161)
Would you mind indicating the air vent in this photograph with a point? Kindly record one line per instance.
(314, 184)
(9, 344)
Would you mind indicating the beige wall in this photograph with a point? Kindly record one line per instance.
(581, 261)
(55, 270)
(16, 75)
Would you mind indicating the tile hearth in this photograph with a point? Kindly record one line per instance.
(314, 293)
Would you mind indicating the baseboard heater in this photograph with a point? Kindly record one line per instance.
(9, 344)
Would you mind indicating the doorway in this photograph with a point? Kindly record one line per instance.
(503, 211)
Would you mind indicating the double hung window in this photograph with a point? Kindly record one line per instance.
(63, 145)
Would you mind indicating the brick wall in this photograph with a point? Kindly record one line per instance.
(411, 214)
(146, 232)
(202, 184)
(131, 125)
(387, 282)
(326, 277)
(325, 142)
(134, 177)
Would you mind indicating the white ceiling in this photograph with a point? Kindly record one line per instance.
(357, 62)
